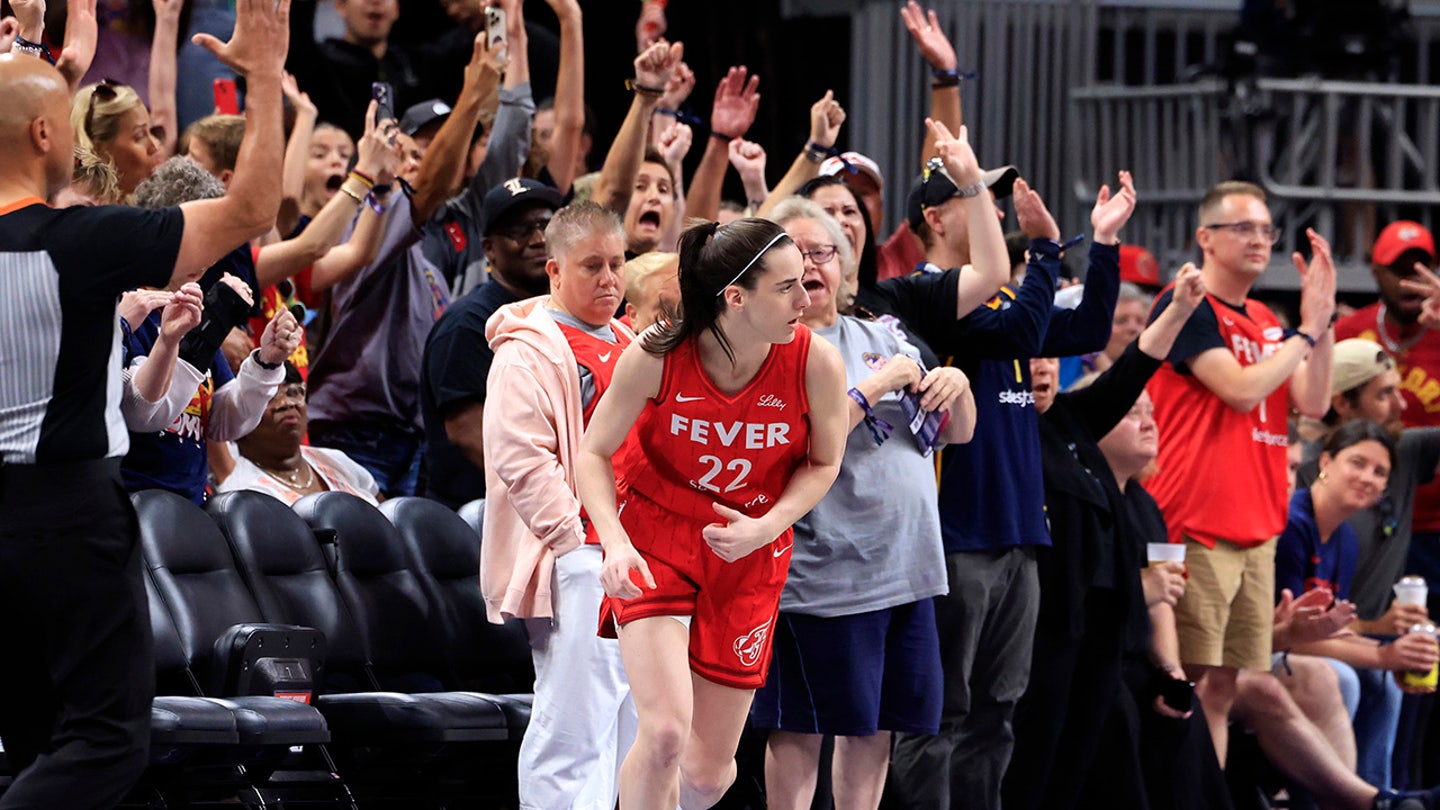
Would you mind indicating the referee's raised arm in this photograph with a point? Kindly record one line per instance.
(256, 51)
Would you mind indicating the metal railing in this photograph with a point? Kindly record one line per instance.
(1073, 90)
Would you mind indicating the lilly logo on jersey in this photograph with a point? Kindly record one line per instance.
(754, 435)
(771, 401)
(749, 646)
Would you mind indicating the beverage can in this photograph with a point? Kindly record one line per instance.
(1421, 681)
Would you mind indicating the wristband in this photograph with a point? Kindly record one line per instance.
(224, 310)
(1305, 337)
(879, 428)
(722, 137)
(643, 89)
(345, 189)
(36, 49)
(681, 116)
(255, 355)
(953, 73)
(948, 81)
(364, 178)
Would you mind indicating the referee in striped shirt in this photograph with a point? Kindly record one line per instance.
(77, 674)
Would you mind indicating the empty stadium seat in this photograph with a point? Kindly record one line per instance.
(444, 554)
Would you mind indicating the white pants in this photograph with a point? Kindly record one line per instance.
(583, 721)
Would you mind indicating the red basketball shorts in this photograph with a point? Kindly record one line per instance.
(732, 605)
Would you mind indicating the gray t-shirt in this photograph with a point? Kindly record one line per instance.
(1385, 528)
(874, 541)
(368, 369)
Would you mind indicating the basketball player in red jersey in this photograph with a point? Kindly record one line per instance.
(739, 428)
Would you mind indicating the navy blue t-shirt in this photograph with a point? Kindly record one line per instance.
(1303, 563)
(453, 370)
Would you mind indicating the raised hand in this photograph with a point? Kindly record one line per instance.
(679, 88)
(1035, 218)
(485, 68)
(299, 99)
(928, 36)
(1317, 285)
(1112, 212)
(657, 63)
(168, 9)
(282, 336)
(736, 103)
(748, 158)
(1428, 286)
(955, 152)
(30, 16)
(675, 143)
(82, 32)
(1189, 289)
(826, 116)
(737, 537)
(260, 40)
(650, 27)
(239, 286)
(183, 312)
(377, 155)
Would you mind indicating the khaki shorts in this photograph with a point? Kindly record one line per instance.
(1228, 610)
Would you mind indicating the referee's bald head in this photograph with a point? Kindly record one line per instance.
(35, 133)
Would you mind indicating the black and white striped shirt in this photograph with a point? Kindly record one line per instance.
(61, 272)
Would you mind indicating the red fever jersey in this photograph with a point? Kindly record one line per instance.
(599, 356)
(694, 445)
(1417, 357)
(1222, 472)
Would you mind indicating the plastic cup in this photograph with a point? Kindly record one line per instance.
(1160, 553)
(1411, 591)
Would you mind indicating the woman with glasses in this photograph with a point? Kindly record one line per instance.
(857, 653)
(273, 461)
(110, 119)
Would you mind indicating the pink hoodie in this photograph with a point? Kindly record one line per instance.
(532, 434)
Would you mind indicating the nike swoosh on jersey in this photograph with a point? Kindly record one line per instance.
(604, 358)
(779, 552)
(682, 398)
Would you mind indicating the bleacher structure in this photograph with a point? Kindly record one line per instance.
(1073, 90)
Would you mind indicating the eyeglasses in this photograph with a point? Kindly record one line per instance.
(522, 231)
(105, 90)
(1249, 230)
(820, 254)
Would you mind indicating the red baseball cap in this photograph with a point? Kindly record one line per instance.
(1400, 237)
(1139, 266)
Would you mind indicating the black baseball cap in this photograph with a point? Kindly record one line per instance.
(419, 116)
(934, 187)
(515, 192)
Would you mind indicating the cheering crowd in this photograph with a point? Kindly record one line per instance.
(707, 431)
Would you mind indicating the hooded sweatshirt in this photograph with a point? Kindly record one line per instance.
(533, 424)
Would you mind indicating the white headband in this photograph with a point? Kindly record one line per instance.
(748, 264)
